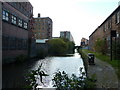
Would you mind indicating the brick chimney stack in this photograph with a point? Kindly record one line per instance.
(39, 15)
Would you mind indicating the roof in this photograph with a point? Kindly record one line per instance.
(106, 19)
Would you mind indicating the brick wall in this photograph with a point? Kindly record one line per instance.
(104, 30)
(14, 38)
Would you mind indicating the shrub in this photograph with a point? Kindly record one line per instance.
(33, 76)
(100, 46)
(63, 82)
(116, 50)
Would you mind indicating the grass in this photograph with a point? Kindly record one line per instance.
(115, 63)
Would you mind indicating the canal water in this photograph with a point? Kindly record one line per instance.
(14, 74)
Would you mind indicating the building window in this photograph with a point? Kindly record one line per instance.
(110, 24)
(25, 25)
(39, 34)
(5, 15)
(43, 34)
(25, 44)
(42, 28)
(5, 42)
(104, 27)
(14, 19)
(20, 22)
(118, 17)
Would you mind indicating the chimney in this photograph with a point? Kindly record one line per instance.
(39, 15)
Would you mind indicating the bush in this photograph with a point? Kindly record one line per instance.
(100, 46)
(62, 81)
(116, 50)
(34, 76)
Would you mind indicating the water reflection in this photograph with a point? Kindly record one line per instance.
(13, 75)
(70, 65)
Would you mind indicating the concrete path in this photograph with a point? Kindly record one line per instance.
(105, 74)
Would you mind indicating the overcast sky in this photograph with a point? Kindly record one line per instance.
(80, 17)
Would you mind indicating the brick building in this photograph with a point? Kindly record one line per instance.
(42, 27)
(112, 23)
(84, 42)
(16, 29)
(67, 35)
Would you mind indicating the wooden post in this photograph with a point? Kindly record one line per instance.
(111, 47)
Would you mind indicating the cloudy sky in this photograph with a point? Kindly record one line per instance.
(80, 17)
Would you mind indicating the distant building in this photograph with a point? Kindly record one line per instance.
(42, 27)
(67, 35)
(41, 41)
(16, 28)
(104, 31)
(42, 46)
(84, 42)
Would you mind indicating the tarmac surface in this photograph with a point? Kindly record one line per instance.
(105, 75)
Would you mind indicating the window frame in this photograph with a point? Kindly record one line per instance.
(5, 15)
(117, 17)
(14, 19)
(25, 25)
(20, 22)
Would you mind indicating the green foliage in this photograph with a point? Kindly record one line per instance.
(70, 45)
(100, 46)
(116, 50)
(62, 81)
(85, 58)
(32, 77)
(57, 47)
(60, 46)
(114, 63)
(21, 58)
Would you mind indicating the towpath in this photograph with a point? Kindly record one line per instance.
(105, 75)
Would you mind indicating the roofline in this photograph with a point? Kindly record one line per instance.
(94, 31)
(106, 20)
(43, 18)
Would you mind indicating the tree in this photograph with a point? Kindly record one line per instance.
(57, 47)
(71, 47)
(100, 46)
(70, 44)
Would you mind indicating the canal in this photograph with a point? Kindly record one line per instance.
(14, 74)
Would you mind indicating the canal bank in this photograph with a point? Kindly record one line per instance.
(14, 74)
(105, 74)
